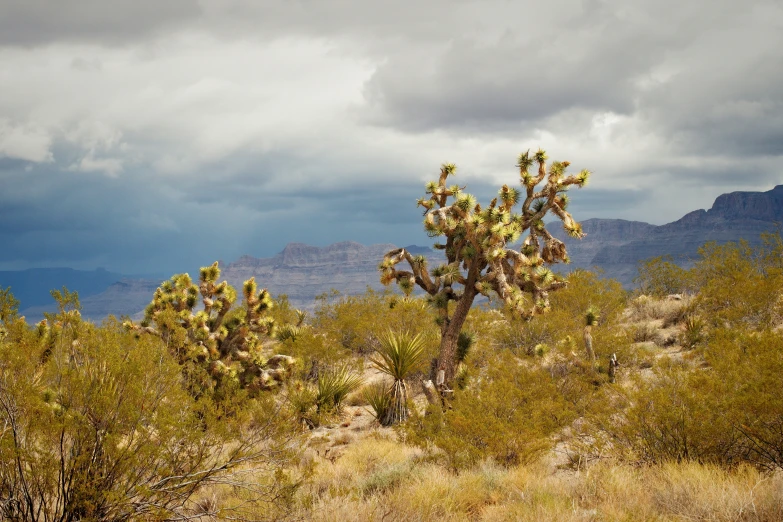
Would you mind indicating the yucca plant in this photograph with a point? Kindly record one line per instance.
(397, 355)
(333, 387)
(379, 399)
(288, 331)
(591, 319)
(693, 332)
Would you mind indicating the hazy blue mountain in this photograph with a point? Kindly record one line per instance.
(616, 246)
(32, 286)
(302, 271)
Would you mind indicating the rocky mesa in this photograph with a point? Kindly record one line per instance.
(302, 271)
(616, 246)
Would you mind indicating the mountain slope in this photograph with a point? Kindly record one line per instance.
(616, 246)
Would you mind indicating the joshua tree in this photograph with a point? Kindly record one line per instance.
(478, 245)
(396, 357)
(224, 341)
(591, 319)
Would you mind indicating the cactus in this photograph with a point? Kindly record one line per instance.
(479, 259)
(224, 340)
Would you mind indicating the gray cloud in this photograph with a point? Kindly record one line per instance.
(40, 22)
(149, 136)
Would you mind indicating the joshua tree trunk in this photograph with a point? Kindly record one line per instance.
(450, 329)
(589, 343)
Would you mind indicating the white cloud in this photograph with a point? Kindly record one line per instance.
(112, 167)
(25, 142)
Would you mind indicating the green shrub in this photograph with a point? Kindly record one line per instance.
(353, 322)
(101, 428)
(510, 416)
(660, 276)
(725, 411)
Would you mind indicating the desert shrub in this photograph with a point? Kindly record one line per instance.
(692, 332)
(300, 398)
(98, 426)
(678, 311)
(314, 353)
(680, 416)
(749, 367)
(740, 286)
(645, 332)
(354, 322)
(9, 306)
(509, 415)
(660, 276)
(646, 308)
(585, 290)
(727, 411)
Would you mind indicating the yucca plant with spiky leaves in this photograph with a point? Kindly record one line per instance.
(379, 399)
(220, 342)
(591, 319)
(479, 256)
(397, 356)
(333, 387)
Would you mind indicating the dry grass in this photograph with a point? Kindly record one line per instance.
(645, 332)
(379, 479)
(671, 312)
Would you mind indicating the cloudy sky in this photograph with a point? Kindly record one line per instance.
(149, 136)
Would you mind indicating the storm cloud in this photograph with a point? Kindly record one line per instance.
(151, 137)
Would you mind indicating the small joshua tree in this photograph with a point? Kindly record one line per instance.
(479, 257)
(591, 319)
(224, 341)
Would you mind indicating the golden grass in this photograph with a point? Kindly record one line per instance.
(380, 479)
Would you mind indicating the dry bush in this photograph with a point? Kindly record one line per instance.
(675, 315)
(645, 332)
(646, 308)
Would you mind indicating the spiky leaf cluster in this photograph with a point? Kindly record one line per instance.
(591, 316)
(223, 339)
(478, 239)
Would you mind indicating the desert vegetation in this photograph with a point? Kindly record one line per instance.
(585, 403)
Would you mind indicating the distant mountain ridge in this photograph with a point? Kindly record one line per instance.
(300, 271)
(616, 246)
(303, 271)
